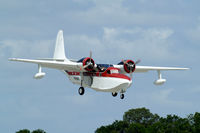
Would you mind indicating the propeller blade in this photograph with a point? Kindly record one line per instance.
(131, 75)
(86, 66)
(138, 61)
(90, 56)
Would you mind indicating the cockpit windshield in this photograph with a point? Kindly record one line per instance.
(103, 67)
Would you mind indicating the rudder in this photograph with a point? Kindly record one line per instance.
(59, 52)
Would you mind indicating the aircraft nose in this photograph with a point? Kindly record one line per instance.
(129, 83)
(126, 84)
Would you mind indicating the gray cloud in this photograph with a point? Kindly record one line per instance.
(23, 48)
(125, 43)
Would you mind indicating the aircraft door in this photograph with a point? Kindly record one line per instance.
(88, 80)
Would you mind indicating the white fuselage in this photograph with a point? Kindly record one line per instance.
(101, 82)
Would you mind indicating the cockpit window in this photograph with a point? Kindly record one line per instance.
(103, 67)
(108, 72)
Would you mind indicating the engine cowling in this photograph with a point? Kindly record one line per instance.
(88, 63)
(129, 66)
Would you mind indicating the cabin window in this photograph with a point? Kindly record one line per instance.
(114, 71)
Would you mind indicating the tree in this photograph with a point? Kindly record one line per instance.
(23, 131)
(115, 127)
(197, 122)
(172, 123)
(141, 120)
(136, 128)
(140, 115)
(120, 126)
(156, 128)
(38, 131)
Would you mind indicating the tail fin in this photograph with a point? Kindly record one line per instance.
(59, 52)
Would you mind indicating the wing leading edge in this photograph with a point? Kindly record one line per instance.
(148, 68)
(56, 64)
(140, 69)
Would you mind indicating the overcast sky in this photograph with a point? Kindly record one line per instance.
(159, 32)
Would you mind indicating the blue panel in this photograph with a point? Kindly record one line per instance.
(105, 65)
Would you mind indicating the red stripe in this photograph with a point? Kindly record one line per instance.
(114, 75)
(73, 73)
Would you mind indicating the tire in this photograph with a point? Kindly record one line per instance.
(81, 91)
(122, 96)
(114, 94)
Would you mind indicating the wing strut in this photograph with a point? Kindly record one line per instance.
(159, 74)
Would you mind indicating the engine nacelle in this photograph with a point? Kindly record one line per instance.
(160, 81)
(88, 63)
(39, 75)
(129, 66)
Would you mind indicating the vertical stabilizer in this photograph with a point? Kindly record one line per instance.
(59, 52)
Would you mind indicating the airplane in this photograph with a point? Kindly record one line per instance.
(111, 78)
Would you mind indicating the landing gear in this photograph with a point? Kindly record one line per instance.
(122, 96)
(114, 94)
(81, 91)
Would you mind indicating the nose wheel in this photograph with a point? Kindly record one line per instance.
(81, 91)
(122, 96)
(114, 94)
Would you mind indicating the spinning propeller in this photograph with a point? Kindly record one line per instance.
(88, 63)
(129, 66)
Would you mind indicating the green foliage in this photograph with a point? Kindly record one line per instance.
(116, 127)
(28, 131)
(140, 115)
(38, 131)
(136, 128)
(23, 131)
(141, 120)
(197, 122)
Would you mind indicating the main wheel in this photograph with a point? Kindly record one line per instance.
(81, 91)
(122, 96)
(114, 94)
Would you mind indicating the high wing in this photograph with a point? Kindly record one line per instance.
(148, 68)
(139, 69)
(54, 63)
(74, 66)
